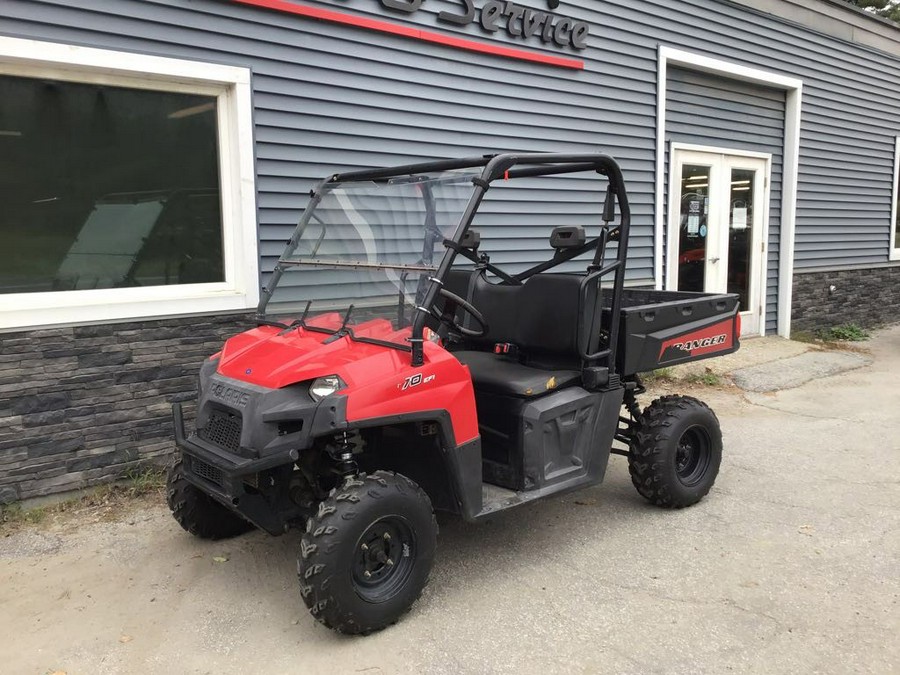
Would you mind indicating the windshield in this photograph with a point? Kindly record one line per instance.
(372, 245)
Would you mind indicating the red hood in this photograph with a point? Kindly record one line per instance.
(272, 358)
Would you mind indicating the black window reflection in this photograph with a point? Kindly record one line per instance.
(106, 187)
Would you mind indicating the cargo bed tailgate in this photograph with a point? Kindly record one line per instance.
(665, 328)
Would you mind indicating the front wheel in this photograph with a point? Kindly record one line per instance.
(675, 454)
(366, 554)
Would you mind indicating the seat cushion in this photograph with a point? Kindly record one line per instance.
(502, 375)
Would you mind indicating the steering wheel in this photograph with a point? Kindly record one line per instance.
(449, 317)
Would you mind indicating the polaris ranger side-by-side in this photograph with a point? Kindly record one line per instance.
(397, 370)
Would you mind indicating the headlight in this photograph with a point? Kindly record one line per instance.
(325, 386)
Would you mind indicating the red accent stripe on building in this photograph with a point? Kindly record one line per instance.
(413, 33)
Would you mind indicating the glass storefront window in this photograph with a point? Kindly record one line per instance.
(740, 233)
(106, 187)
(693, 227)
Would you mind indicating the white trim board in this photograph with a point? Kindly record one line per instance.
(794, 96)
(74, 61)
(894, 252)
(231, 87)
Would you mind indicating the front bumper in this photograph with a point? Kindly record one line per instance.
(245, 435)
(225, 476)
(232, 468)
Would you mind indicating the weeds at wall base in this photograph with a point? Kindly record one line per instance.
(106, 501)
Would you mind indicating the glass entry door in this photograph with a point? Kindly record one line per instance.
(717, 214)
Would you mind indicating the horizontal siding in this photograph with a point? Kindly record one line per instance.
(707, 110)
(851, 113)
(328, 97)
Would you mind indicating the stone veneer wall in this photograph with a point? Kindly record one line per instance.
(83, 405)
(867, 297)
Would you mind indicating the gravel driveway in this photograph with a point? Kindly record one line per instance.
(792, 564)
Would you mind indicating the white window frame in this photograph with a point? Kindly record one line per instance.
(895, 202)
(231, 87)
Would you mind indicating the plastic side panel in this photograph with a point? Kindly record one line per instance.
(567, 436)
(443, 383)
(708, 341)
(675, 333)
(605, 427)
(500, 425)
(465, 467)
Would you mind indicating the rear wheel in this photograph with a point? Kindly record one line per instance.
(197, 512)
(366, 554)
(676, 451)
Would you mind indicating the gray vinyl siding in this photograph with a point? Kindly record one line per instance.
(703, 109)
(327, 97)
(851, 113)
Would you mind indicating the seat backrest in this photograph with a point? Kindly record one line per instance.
(548, 320)
(458, 280)
(540, 317)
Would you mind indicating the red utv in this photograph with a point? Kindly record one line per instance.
(396, 370)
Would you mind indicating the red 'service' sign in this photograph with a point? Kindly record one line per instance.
(343, 18)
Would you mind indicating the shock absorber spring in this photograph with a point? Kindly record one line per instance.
(346, 464)
(632, 389)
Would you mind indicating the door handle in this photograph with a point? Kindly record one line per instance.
(713, 260)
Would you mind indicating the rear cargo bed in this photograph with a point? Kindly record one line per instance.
(665, 328)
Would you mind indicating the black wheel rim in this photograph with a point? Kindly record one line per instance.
(693, 456)
(384, 559)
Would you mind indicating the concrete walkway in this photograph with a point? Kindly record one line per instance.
(789, 566)
(773, 363)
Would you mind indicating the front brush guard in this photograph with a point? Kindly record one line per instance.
(225, 476)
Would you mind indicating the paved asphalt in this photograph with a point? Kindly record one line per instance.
(791, 565)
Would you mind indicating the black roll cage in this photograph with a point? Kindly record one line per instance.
(504, 166)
